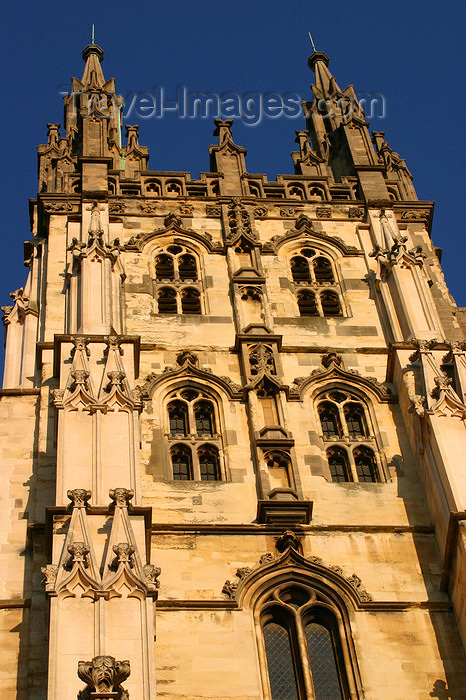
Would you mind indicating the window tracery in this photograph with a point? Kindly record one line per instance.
(192, 434)
(303, 645)
(178, 287)
(317, 290)
(345, 423)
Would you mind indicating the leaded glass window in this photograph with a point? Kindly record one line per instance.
(302, 645)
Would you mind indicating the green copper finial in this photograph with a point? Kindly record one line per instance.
(93, 42)
(312, 43)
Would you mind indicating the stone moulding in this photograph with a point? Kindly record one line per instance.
(290, 562)
(304, 228)
(189, 368)
(336, 372)
(173, 225)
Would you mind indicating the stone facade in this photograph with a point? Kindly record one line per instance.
(233, 417)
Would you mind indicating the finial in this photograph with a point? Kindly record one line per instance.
(93, 41)
(310, 37)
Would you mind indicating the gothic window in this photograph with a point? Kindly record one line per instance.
(176, 265)
(164, 267)
(344, 422)
(317, 291)
(303, 646)
(338, 463)
(355, 420)
(166, 299)
(366, 466)
(204, 417)
(178, 415)
(192, 433)
(307, 303)
(329, 420)
(209, 463)
(300, 269)
(181, 461)
(187, 267)
(190, 301)
(330, 303)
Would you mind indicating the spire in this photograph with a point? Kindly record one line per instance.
(325, 84)
(93, 76)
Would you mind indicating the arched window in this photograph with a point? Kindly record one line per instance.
(317, 290)
(323, 270)
(187, 267)
(192, 425)
(204, 417)
(338, 463)
(330, 303)
(307, 303)
(190, 301)
(300, 269)
(303, 647)
(345, 422)
(178, 414)
(166, 299)
(329, 420)
(355, 420)
(175, 264)
(366, 466)
(164, 267)
(209, 463)
(181, 461)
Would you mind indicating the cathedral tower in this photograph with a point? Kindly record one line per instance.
(233, 416)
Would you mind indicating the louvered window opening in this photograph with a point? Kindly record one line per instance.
(191, 419)
(314, 272)
(177, 282)
(343, 421)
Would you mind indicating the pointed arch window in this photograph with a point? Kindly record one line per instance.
(366, 465)
(181, 461)
(166, 299)
(317, 290)
(178, 267)
(329, 420)
(192, 422)
(307, 303)
(345, 422)
(303, 646)
(209, 463)
(178, 417)
(338, 463)
(204, 417)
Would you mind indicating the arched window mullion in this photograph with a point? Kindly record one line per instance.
(305, 665)
(352, 465)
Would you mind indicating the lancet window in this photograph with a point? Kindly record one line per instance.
(303, 646)
(317, 290)
(347, 433)
(177, 281)
(194, 441)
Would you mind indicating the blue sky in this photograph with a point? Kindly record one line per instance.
(409, 52)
